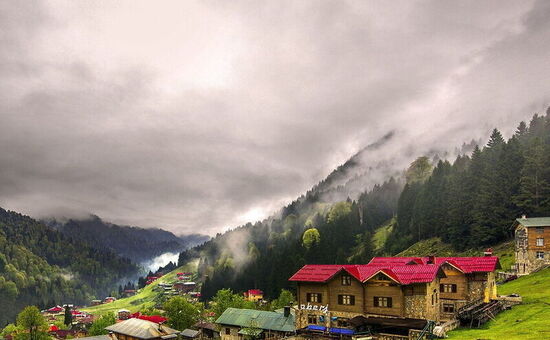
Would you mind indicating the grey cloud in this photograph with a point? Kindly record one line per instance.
(198, 116)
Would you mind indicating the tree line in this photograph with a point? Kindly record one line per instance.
(473, 202)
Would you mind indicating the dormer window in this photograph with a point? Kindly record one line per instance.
(346, 280)
(382, 277)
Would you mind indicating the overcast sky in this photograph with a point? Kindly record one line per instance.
(198, 116)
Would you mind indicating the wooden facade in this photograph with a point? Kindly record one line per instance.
(379, 296)
(434, 289)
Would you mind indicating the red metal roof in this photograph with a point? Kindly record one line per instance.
(472, 264)
(466, 264)
(152, 318)
(255, 292)
(404, 270)
(395, 260)
(316, 272)
(56, 309)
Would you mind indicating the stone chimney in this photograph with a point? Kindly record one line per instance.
(523, 217)
(431, 259)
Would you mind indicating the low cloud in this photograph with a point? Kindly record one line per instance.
(197, 116)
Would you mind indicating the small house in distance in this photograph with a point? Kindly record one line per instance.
(532, 241)
(109, 299)
(134, 329)
(96, 302)
(253, 295)
(237, 323)
(123, 314)
(207, 330)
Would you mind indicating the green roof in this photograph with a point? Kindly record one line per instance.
(534, 221)
(257, 319)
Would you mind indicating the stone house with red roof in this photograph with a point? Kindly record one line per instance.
(408, 288)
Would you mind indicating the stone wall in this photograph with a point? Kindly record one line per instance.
(521, 243)
(415, 306)
(476, 290)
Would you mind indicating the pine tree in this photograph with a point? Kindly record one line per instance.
(534, 192)
(68, 316)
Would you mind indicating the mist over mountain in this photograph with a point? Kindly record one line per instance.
(467, 197)
(44, 267)
(141, 245)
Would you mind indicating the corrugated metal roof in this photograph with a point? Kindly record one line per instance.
(257, 319)
(189, 333)
(97, 337)
(404, 270)
(141, 329)
(316, 272)
(472, 264)
(534, 221)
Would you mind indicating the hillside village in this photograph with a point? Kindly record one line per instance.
(390, 298)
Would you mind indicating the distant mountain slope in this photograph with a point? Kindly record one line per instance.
(42, 266)
(137, 244)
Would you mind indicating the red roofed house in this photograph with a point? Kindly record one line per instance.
(253, 295)
(411, 289)
(55, 310)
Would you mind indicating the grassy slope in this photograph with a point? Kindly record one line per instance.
(143, 299)
(528, 321)
(381, 235)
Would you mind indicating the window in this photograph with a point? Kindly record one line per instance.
(540, 255)
(434, 297)
(540, 242)
(312, 319)
(381, 277)
(227, 331)
(346, 280)
(448, 308)
(380, 301)
(447, 288)
(346, 300)
(314, 297)
(342, 322)
(540, 230)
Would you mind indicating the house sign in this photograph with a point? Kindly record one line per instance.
(309, 306)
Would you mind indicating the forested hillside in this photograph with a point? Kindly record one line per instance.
(265, 254)
(138, 244)
(472, 202)
(41, 266)
(469, 203)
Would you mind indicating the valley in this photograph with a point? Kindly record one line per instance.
(460, 210)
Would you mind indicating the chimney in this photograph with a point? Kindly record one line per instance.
(287, 311)
(523, 217)
(431, 259)
(488, 252)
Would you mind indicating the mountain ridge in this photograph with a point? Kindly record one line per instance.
(136, 243)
